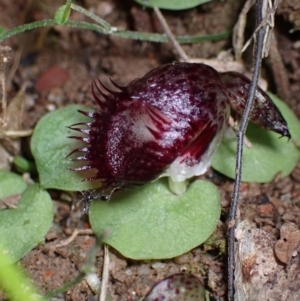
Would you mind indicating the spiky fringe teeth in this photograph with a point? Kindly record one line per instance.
(88, 129)
(109, 98)
(95, 130)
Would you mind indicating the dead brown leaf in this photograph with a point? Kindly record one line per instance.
(288, 243)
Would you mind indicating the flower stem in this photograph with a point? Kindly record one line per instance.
(177, 188)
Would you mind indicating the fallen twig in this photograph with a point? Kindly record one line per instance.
(105, 271)
(259, 52)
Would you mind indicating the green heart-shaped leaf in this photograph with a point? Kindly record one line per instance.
(172, 4)
(50, 148)
(150, 222)
(23, 228)
(10, 183)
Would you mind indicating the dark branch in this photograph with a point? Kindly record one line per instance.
(259, 44)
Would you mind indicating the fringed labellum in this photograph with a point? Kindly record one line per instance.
(167, 123)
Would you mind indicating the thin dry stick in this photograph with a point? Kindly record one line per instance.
(16, 134)
(75, 233)
(268, 9)
(279, 72)
(171, 37)
(15, 65)
(3, 61)
(239, 28)
(259, 46)
(105, 271)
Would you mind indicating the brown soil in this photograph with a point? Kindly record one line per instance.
(83, 55)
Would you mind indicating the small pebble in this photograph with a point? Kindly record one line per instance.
(51, 107)
(94, 282)
(266, 210)
(30, 100)
(288, 217)
(56, 95)
(128, 272)
(286, 197)
(144, 269)
(158, 265)
(281, 210)
(104, 8)
(55, 76)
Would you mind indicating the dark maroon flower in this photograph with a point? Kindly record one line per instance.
(177, 287)
(167, 123)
